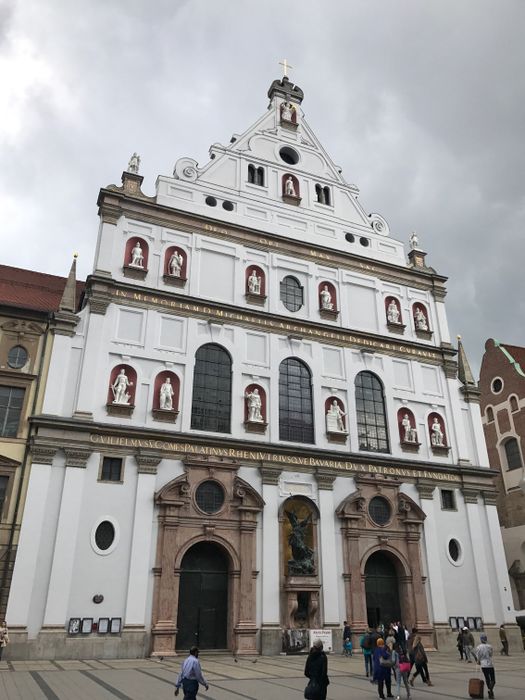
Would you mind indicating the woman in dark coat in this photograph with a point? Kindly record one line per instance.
(316, 670)
(382, 674)
(421, 662)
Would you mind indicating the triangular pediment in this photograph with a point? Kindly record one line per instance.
(8, 463)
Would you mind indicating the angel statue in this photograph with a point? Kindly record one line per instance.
(302, 562)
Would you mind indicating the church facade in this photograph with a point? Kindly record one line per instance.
(258, 426)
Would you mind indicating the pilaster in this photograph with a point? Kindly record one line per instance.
(327, 550)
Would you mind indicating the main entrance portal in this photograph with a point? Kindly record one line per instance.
(382, 593)
(202, 618)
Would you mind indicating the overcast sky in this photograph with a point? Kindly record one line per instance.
(421, 103)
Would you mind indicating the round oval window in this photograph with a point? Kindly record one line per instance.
(289, 155)
(380, 511)
(17, 357)
(454, 550)
(497, 385)
(105, 535)
(209, 497)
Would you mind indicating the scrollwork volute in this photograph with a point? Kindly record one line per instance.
(186, 169)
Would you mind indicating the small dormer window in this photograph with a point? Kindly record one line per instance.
(256, 175)
(323, 195)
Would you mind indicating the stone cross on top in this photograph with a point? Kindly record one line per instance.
(284, 63)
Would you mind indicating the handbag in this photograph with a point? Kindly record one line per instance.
(404, 667)
(312, 690)
(386, 662)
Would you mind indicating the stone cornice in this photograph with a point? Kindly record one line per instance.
(147, 462)
(270, 475)
(114, 202)
(77, 456)
(101, 291)
(426, 490)
(42, 454)
(325, 480)
(470, 494)
(490, 497)
(471, 394)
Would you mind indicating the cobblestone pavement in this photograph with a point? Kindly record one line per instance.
(257, 678)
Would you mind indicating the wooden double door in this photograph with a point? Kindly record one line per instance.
(202, 618)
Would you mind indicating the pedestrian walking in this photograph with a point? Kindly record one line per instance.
(459, 644)
(190, 676)
(421, 662)
(347, 639)
(504, 641)
(402, 669)
(484, 653)
(468, 643)
(4, 637)
(383, 669)
(367, 647)
(316, 669)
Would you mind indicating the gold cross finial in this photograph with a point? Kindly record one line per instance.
(284, 63)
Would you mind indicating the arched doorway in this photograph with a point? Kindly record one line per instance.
(382, 591)
(203, 598)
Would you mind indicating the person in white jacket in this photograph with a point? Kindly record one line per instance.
(484, 653)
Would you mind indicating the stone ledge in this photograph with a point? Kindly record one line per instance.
(122, 410)
(254, 427)
(175, 281)
(136, 273)
(258, 299)
(165, 415)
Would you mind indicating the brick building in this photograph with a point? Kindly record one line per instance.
(502, 384)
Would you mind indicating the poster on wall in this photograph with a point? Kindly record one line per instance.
(295, 641)
(325, 636)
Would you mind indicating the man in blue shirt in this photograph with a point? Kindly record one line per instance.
(190, 676)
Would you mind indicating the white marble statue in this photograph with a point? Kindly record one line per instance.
(166, 395)
(134, 164)
(326, 299)
(289, 187)
(287, 111)
(254, 283)
(436, 436)
(137, 258)
(414, 240)
(120, 388)
(253, 399)
(420, 319)
(392, 312)
(410, 433)
(334, 418)
(175, 264)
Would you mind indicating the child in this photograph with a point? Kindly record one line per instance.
(348, 647)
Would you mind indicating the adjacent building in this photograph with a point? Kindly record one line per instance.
(502, 384)
(257, 427)
(34, 307)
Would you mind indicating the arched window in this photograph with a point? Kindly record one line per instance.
(320, 194)
(370, 412)
(327, 196)
(211, 405)
(512, 453)
(260, 176)
(489, 413)
(514, 406)
(296, 420)
(251, 174)
(291, 293)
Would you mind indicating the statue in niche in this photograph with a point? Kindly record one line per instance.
(414, 240)
(134, 164)
(289, 187)
(334, 418)
(420, 319)
(326, 299)
(302, 562)
(137, 258)
(120, 388)
(410, 433)
(175, 264)
(253, 399)
(437, 438)
(166, 395)
(254, 282)
(287, 111)
(392, 312)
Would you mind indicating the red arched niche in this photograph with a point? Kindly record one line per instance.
(132, 378)
(328, 404)
(295, 182)
(130, 244)
(159, 381)
(411, 437)
(388, 301)
(260, 273)
(430, 421)
(172, 250)
(249, 389)
(333, 293)
(415, 310)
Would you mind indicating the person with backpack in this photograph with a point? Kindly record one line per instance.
(383, 669)
(402, 668)
(366, 644)
(421, 662)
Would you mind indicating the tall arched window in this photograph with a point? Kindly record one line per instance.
(512, 453)
(212, 392)
(296, 419)
(291, 293)
(370, 413)
(251, 174)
